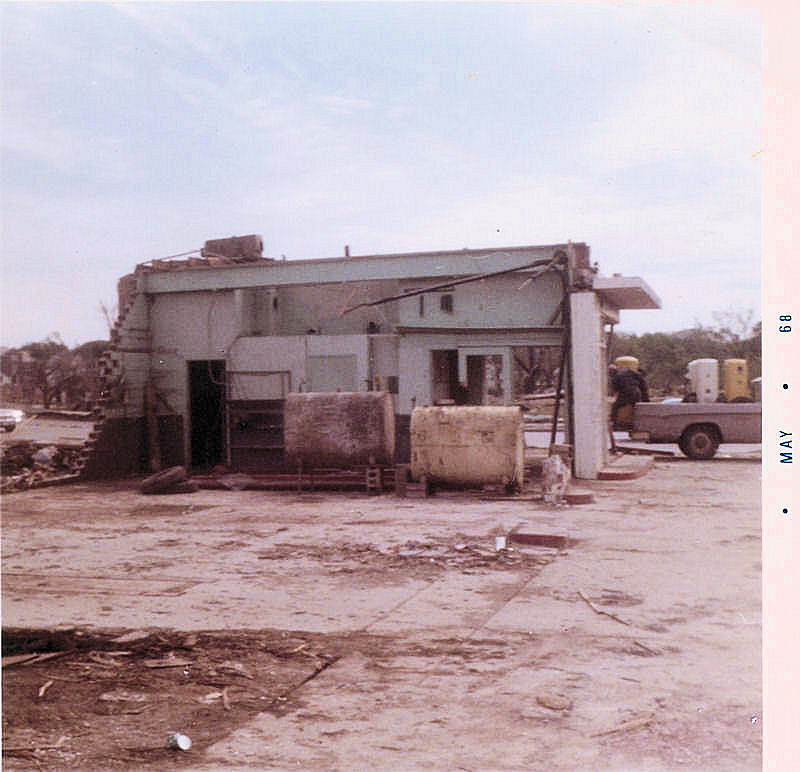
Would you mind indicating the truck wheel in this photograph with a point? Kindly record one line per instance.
(699, 442)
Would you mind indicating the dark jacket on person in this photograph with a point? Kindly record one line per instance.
(627, 385)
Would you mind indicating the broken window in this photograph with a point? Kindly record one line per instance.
(535, 369)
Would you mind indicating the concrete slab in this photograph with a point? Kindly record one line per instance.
(626, 467)
(450, 653)
(51, 430)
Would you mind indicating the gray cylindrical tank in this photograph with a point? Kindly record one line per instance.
(703, 375)
(339, 429)
(467, 445)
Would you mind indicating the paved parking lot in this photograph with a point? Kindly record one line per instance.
(51, 430)
(636, 645)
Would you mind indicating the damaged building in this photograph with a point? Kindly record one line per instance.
(206, 349)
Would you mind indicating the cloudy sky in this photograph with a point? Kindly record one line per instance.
(135, 131)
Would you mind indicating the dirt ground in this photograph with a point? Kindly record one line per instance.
(341, 631)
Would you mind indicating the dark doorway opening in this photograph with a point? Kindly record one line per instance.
(207, 412)
(476, 379)
(446, 386)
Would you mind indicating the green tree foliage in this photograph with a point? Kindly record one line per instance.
(665, 355)
(48, 372)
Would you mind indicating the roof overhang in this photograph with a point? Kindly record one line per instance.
(626, 292)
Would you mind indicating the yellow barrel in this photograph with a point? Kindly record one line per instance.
(339, 430)
(735, 379)
(627, 363)
(466, 445)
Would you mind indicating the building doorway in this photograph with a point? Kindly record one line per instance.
(482, 379)
(207, 412)
(476, 379)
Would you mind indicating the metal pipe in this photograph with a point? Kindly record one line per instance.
(564, 350)
(566, 345)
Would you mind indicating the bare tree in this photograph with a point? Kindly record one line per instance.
(109, 314)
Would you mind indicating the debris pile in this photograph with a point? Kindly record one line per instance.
(27, 464)
(413, 557)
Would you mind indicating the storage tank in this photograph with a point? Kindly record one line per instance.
(466, 445)
(339, 429)
(735, 380)
(627, 363)
(703, 375)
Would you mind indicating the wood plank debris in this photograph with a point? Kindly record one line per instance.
(634, 723)
(600, 611)
(44, 687)
(34, 748)
(650, 651)
(166, 662)
(32, 658)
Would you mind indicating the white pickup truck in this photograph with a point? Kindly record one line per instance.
(699, 428)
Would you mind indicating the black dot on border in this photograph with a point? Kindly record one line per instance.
(785, 385)
(785, 511)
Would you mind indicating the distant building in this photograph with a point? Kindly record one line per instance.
(218, 341)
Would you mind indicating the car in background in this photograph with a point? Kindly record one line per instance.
(9, 418)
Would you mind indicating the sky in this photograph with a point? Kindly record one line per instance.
(135, 131)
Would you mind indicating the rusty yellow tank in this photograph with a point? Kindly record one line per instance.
(467, 445)
(339, 430)
(627, 363)
(735, 379)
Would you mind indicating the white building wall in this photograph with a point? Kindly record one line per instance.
(342, 345)
(197, 325)
(589, 379)
(267, 354)
(502, 301)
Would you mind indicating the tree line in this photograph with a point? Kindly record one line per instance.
(665, 356)
(49, 373)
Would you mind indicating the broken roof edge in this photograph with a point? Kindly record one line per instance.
(405, 266)
(626, 292)
(217, 261)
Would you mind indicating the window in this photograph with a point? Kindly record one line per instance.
(446, 303)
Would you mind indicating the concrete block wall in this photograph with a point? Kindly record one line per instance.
(116, 445)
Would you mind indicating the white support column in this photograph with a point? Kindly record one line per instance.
(589, 384)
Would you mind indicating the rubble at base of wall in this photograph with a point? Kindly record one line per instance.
(29, 464)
